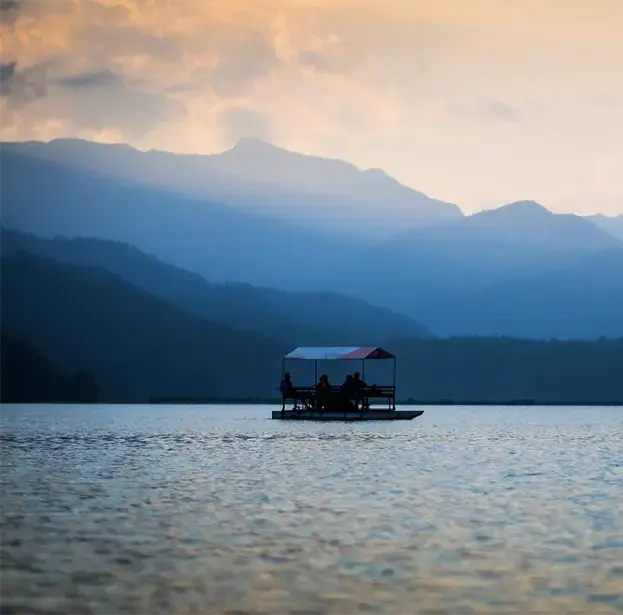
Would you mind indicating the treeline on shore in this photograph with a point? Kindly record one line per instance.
(250, 401)
(461, 371)
(27, 376)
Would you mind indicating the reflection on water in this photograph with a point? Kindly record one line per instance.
(221, 510)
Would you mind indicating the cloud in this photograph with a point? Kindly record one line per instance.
(239, 122)
(132, 111)
(242, 58)
(96, 79)
(21, 87)
(307, 57)
(333, 58)
(108, 69)
(9, 11)
(486, 110)
(608, 176)
(501, 111)
(7, 71)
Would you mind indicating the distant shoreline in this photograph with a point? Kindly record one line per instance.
(277, 402)
(212, 401)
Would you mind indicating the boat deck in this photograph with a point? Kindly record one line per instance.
(346, 415)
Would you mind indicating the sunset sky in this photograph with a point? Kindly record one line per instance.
(479, 103)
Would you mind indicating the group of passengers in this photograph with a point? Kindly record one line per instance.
(350, 392)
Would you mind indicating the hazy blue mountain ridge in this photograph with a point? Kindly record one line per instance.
(452, 276)
(255, 176)
(445, 264)
(135, 344)
(580, 301)
(610, 224)
(138, 346)
(295, 318)
(222, 244)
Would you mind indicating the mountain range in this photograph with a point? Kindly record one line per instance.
(81, 333)
(469, 273)
(145, 328)
(498, 272)
(324, 194)
(580, 301)
(136, 345)
(219, 242)
(610, 224)
(292, 318)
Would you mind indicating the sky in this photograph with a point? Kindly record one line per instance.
(479, 103)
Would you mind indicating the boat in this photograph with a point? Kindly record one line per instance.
(370, 402)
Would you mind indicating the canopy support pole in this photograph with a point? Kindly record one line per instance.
(283, 373)
(394, 385)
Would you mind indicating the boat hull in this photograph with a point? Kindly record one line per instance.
(340, 415)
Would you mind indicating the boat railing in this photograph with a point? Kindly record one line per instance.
(305, 397)
(374, 390)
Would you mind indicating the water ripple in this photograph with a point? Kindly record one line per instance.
(219, 510)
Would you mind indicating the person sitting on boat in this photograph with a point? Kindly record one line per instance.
(287, 390)
(347, 391)
(358, 385)
(348, 386)
(323, 391)
(358, 382)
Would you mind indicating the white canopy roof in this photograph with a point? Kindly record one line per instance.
(328, 353)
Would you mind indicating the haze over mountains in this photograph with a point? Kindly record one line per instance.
(332, 195)
(146, 329)
(292, 318)
(580, 301)
(610, 224)
(219, 242)
(99, 337)
(271, 218)
(483, 258)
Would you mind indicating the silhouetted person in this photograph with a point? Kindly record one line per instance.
(287, 389)
(323, 391)
(348, 387)
(347, 391)
(358, 385)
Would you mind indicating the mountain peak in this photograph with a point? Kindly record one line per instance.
(374, 172)
(526, 206)
(253, 145)
(519, 210)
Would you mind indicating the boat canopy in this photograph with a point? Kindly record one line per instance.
(336, 353)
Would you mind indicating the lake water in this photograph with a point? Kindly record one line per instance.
(138, 509)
